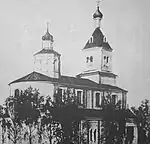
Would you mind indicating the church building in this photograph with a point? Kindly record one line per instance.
(95, 82)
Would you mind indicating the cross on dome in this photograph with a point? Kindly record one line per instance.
(47, 23)
(47, 36)
(98, 2)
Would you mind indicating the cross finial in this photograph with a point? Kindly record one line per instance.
(47, 24)
(97, 2)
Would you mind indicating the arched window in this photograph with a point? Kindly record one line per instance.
(91, 139)
(104, 39)
(107, 59)
(91, 39)
(16, 92)
(87, 59)
(114, 99)
(95, 135)
(97, 100)
(91, 58)
(104, 57)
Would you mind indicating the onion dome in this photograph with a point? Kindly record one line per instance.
(48, 36)
(98, 14)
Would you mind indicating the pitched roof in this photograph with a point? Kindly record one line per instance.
(118, 114)
(101, 73)
(34, 76)
(98, 41)
(48, 51)
(67, 81)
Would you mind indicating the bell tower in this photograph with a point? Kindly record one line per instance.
(47, 60)
(98, 55)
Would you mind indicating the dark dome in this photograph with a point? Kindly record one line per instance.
(47, 36)
(98, 13)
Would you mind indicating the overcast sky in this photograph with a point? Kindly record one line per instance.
(126, 24)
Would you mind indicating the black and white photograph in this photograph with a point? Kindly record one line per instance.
(74, 72)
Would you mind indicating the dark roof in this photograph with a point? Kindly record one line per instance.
(98, 14)
(118, 114)
(97, 113)
(98, 41)
(108, 74)
(67, 81)
(48, 51)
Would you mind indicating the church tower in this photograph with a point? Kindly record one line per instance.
(98, 55)
(47, 61)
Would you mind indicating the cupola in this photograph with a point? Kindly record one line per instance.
(47, 39)
(98, 14)
(47, 36)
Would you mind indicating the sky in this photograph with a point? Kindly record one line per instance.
(126, 24)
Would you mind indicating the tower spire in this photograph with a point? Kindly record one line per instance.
(97, 16)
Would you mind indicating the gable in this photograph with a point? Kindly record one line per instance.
(67, 81)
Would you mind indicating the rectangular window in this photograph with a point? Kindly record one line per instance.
(114, 99)
(97, 100)
(59, 96)
(79, 97)
(62, 94)
(124, 100)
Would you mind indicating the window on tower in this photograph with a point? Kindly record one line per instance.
(104, 39)
(91, 39)
(107, 59)
(91, 58)
(87, 59)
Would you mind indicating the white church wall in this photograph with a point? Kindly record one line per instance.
(45, 89)
(96, 54)
(108, 80)
(44, 63)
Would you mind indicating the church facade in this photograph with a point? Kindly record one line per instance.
(95, 82)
